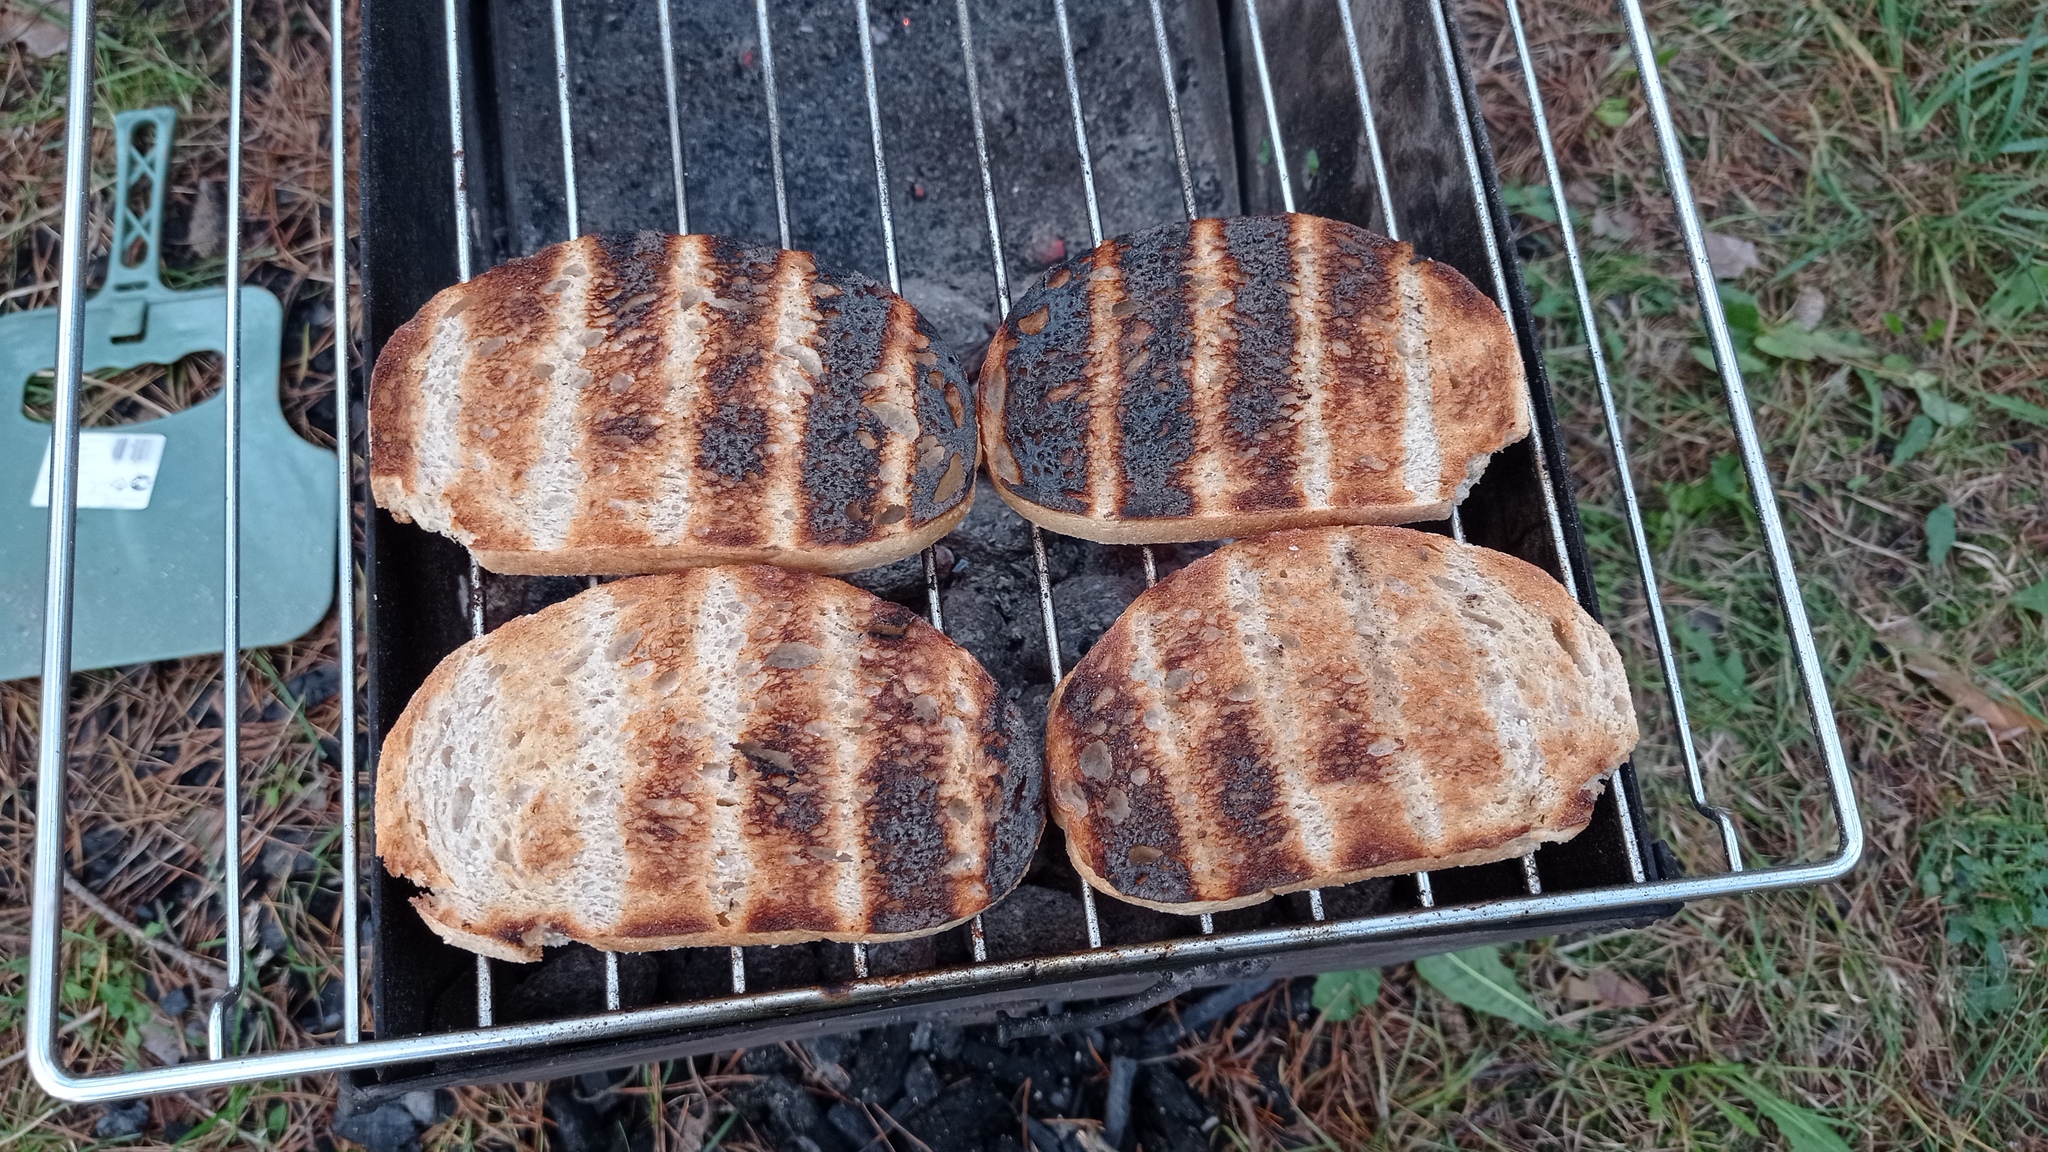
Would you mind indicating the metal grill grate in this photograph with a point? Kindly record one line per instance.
(1168, 965)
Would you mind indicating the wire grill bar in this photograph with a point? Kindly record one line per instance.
(345, 548)
(221, 1020)
(225, 1067)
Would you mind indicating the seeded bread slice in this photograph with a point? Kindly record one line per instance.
(1227, 377)
(645, 402)
(1316, 707)
(724, 756)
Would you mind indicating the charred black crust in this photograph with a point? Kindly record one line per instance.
(907, 842)
(632, 270)
(1262, 379)
(1049, 438)
(840, 477)
(731, 443)
(1166, 880)
(1156, 411)
(935, 416)
(1020, 820)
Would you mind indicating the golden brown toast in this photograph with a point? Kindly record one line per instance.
(722, 756)
(645, 402)
(1316, 707)
(1234, 376)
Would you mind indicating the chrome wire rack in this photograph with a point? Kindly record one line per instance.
(1146, 972)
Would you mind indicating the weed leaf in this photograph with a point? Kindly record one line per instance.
(1741, 310)
(1480, 980)
(1941, 534)
(1342, 995)
(1792, 342)
(1919, 434)
(2019, 409)
(2019, 294)
(1735, 1116)
(1944, 411)
(2034, 599)
(1802, 1128)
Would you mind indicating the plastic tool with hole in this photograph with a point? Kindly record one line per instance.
(150, 521)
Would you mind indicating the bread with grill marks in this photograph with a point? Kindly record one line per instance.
(720, 756)
(1319, 706)
(646, 402)
(1233, 376)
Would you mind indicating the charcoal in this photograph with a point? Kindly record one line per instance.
(389, 1127)
(993, 611)
(1169, 1117)
(1130, 924)
(851, 1123)
(1087, 605)
(316, 685)
(769, 1060)
(901, 582)
(121, 1118)
(938, 1038)
(785, 1112)
(992, 531)
(921, 1086)
(967, 1117)
(877, 1064)
(1116, 1109)
(571, 981)
(176, 1002)
(579, 1124)
(1033, 921)
(100, 848)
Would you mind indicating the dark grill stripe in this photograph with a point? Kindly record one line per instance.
(620, 416)
(1262, 396)
(905, 849)
(1155, 410)
(1049, 437)
(667, 804)
(787, 776)
(1366, 404)
(1154, 821)
(732, 426)
(842, 456)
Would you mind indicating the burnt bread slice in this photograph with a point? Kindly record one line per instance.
(1316, 707)
(720, 756)
(647, 402)
(1226, 377)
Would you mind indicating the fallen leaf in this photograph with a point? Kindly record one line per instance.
(1582, 192)
(162, 1040)
(1609, 988)
(2004, 719)
(1731, 256)
(1615, 224)
(1810, 308)
(1582, 989)
(1619, 990)
(43, 29)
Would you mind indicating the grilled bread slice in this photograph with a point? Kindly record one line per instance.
(1319, 706)
(646, 402)
(1235, 376)
(723, 756)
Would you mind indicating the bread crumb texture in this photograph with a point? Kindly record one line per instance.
(644, 402)
(739, 755)
(1316, 707)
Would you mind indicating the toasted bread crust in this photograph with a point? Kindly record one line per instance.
(1316, 707)
(1232, 376)
(646, 402)
(725, 756)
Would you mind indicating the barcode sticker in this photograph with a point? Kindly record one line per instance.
(115, 470)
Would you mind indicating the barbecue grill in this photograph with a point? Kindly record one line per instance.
(945, 146)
